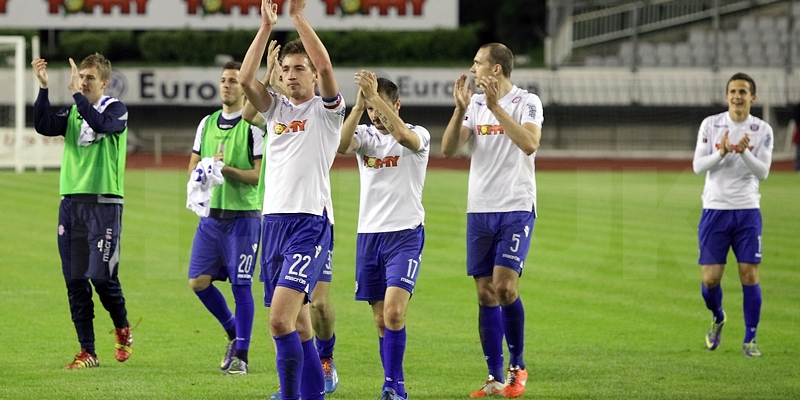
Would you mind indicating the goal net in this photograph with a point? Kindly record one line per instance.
(20, 146)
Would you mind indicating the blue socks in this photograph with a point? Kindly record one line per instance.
(752, 310)
(325, 347)
(514, 325)
(215, 302)
(751, 303)
(490, 328)
(394, 348)
(245, 312)
(241, 327)
(299, 370)
(713, 298)
(289, 362)
(312, 384)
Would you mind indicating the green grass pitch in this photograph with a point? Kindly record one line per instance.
(611, 291)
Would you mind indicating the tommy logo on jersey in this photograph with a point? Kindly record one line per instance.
(377, 163)
(490, 130)
(294, 126)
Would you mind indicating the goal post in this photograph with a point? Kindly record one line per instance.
(12, 105)
(20, 146)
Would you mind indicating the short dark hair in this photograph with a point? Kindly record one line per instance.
(741, 76)
(388, 88)
(232, 65)
(296, 47)
(500, 54)
(98, 61)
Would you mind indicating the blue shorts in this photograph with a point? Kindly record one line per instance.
(722, 229)
(498, 239)
(88, 239)
(294, 250)
(387, 259)
(225, 248)
(327, 272)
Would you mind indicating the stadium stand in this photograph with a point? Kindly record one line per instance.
(762, 41)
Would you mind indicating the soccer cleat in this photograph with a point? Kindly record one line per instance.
(390, 394)
(331, 377)
(276, 396)
(715, 332)
(124, 345)
(237, 367)
(751, 349)
(515, 383)
(83, 360)
(490, 388)
(230, 350)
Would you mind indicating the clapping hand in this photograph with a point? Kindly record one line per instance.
(74, 79)
(462, 92)
(368, 83)
(724, 145)
(743, 145)
(269, 12)
(489, 86)
(40, 71)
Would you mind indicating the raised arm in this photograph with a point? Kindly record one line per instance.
(456, 134)
(389, 118)
(328, 88)
(251, 115)
(346, 143)
(526, 136)
(45, 122)
(256, 92)
(114, 117)
(270, 78)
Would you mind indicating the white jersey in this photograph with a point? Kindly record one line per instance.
(501, 175)
(729, 184)
(301, 146)
(392, 177)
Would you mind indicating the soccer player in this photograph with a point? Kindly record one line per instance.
(734, 152)
(297, 232)
(322, 313)
(90, 216)
(505, 125)
(392, 158)
(226, 242)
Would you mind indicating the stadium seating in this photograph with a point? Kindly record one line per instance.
(756, 41)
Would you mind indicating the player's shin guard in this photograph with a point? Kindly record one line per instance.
(490, 327)
(313, 378)
(752, 310)
(394, 350)
(245, 311)
(289, 362)
(713, 298)
(514, 325)
(215, 302)
(325, 347)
